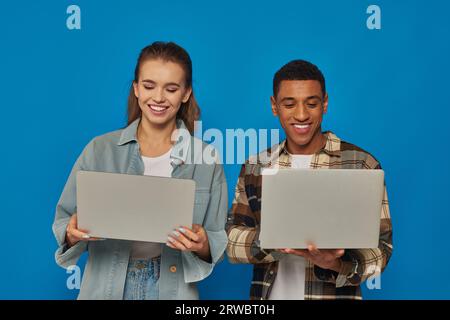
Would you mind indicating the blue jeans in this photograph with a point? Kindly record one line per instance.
(142, 279)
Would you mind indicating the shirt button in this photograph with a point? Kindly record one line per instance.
(173, 269)
(271, 272)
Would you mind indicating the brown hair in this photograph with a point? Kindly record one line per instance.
(167, 51)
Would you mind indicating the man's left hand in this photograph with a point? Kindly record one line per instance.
(324, 258)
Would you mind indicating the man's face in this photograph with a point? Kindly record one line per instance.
(300, 106)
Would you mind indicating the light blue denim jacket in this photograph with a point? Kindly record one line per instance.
(106, 268)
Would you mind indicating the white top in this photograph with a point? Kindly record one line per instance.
(290, 280)
(160, 167)
(301, 161)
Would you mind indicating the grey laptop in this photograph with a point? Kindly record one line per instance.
(133, 207)
(336, 208)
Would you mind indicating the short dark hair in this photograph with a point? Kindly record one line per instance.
(298, 70)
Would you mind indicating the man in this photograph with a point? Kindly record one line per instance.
(299, 101)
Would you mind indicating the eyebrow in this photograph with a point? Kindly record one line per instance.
(314, 97)
(167, 84)
(286, 99)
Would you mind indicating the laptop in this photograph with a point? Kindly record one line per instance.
(334, 209)
(133, 207)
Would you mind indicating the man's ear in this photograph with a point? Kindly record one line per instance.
(187, 95)
(135, 88)
(325, 103)
(273, 103)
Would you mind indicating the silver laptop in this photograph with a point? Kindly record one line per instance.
(335, 209)
(133, 207)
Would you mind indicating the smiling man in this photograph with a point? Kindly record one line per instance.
(299, 101)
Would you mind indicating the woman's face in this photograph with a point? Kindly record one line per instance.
(160, 90)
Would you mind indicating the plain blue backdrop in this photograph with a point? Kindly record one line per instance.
(388, 94)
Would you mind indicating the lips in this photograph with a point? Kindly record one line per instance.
(157, 109)
(301, 128)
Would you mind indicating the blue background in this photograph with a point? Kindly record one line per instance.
(388, 94)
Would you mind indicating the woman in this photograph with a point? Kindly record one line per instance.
(161, 110)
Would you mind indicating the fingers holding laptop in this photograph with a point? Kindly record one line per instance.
(186, 239)
(323, 258)
(74, 235)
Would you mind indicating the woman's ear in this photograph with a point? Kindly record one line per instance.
(187, 95)
(136, 89)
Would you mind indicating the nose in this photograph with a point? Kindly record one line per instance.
(301, 113)
(158, 96)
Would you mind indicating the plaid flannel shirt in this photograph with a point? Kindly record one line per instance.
(244, 223)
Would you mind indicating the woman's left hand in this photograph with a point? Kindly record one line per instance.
(195, 240)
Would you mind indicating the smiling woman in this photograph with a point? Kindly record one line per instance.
(162, 86)
(161, 110)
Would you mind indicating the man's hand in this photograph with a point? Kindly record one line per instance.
(325, 258)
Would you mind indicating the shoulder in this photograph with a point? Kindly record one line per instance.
(203, 152)
(255, 163)
(201, 144)
(206, 162)
(352, 152)
(265, 157)
(105, 146)
(108, 139)
(105, 141)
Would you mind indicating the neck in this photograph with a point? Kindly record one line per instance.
(155, 139)
(313, 146)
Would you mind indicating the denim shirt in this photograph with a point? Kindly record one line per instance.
(106, 267)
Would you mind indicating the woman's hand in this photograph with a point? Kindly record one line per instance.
(195, 240)
(74, 235)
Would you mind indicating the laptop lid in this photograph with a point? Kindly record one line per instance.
(336, 208)
(133, 207)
